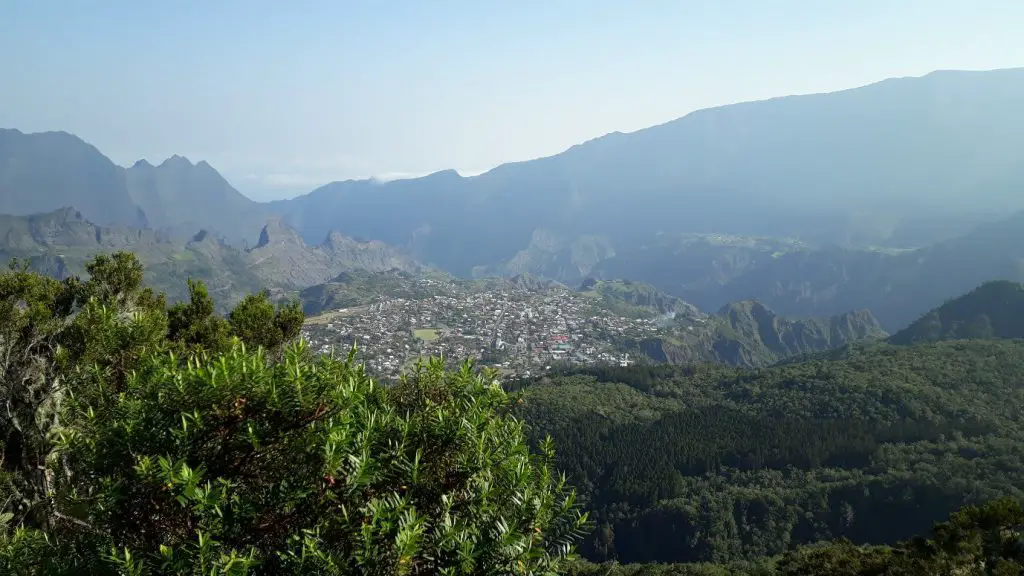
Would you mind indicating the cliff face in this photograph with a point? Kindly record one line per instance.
(282, 255)
(636, 299)
(750, 334)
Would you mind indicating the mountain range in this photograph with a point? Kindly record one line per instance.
(744, 333)
(898, 286)
(59, 243)
(44, 172)
(47, 171)
(183, 197)
(891, 197)
(904, 162)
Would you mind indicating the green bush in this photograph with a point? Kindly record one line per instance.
(156, 441)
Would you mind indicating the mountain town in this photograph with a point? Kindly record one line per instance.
(521, 331)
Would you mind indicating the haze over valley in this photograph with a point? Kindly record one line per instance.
(471, 288)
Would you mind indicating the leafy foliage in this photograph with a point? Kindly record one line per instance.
(255, 320)
(156, 441)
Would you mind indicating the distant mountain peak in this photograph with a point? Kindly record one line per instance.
(142, 164)
(745, 306)
(67, 213)
(41, 172)
(276, 232)
(335, 238)
(445, 174)
(176, 161)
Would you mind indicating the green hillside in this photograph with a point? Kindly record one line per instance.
(362, 287)
(750, 334)
(993, 310)
(635, 299)
(713, 464)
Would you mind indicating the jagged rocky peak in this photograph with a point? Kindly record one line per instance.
(142, 164)
(177, 160)
(746, 307)
(335, 238)
(277, 232)
(65, 214)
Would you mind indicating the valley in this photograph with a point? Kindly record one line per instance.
(525, 328)
(751, 338)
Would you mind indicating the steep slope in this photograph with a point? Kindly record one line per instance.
(68, 228)
(362, 287)
(47, 171)
(182, 196)
(635, 299)
(554, 256)
(750, 334)
(59, 243)
(282, 255)
(993, 310)
(852, 167)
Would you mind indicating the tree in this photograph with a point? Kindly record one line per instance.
(256, 321)
(33, 312)
(236, 464)
(195, 324)
(839, 558)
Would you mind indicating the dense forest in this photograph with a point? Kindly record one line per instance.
(140, 438)
(709, 464)
(992, 310)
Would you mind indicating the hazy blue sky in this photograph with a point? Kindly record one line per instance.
(282, 96)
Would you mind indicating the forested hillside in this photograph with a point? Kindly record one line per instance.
(143, 438)
(711, 464)
(993, 310)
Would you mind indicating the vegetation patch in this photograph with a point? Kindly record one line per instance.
(427, 335)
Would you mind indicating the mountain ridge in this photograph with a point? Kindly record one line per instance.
(62, 241)
(41, 172)
(993, 310)
(172, 190)
(753, 168)
(749, 334)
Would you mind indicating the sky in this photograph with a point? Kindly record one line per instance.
(284, 96)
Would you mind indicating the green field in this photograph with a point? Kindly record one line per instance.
(425, 334)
